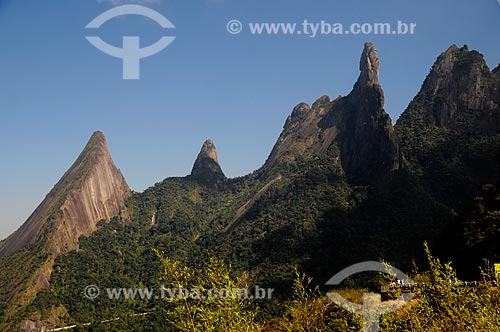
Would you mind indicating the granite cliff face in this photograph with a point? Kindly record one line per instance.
(316, 202)
(450, 132)
(206, 168)
(369, 65)
(356, 126)
(93, 189)
(459, 81)
(368, 143)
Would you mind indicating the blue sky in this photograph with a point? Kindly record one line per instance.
(56, 88)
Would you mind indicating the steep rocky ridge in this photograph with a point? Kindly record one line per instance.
(206, 168)
(334, 191)
(450, 132)
(92, 189)
(355, 127)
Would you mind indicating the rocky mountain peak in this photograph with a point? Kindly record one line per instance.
(454, 58)
(299, 113)
(208, 150)
(97, 142)
(300, 110)
(445, 63)
(460, 81)
(367, 141)
(91, 190)
(453, 124)
(96, 148)
(206, 168)
(356, 125)
(97, 136)
(369, 65)
(321, 104)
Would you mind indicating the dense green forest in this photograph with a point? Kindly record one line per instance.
(341, 186)
(121, 253)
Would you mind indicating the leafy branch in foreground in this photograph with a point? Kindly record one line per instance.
(197, 309)
(441, 303)
(310, 311)
(444, 304)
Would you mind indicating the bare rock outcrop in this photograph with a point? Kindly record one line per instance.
(206, 168)
(93, 189)
(369, 65)
(356, 126)
(450, 132)
(459, 81)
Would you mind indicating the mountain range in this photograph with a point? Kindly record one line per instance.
(341, 185)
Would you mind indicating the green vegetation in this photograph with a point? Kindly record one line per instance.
(16, 283)
(305, 212)
(203, 311)
(440, 304)
(482, 225)
(443, 305)
(311, 218)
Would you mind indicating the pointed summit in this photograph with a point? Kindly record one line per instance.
(460, 81)
(355, 127)
(206, 168)
(91, 190)
(369, 144)
(95, 149)
(209, 151)
(97, 142)
(369, 65)
(453, 124)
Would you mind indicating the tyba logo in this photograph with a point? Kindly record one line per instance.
(130, 53)
(372, 307)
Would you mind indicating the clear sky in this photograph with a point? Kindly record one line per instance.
(56, 88)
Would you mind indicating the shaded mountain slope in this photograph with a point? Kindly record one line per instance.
(450, 132)
(351, 188)
(357, 125)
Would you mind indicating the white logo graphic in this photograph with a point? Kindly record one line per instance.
(372, 307)
(130, 53)
(234, 27)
